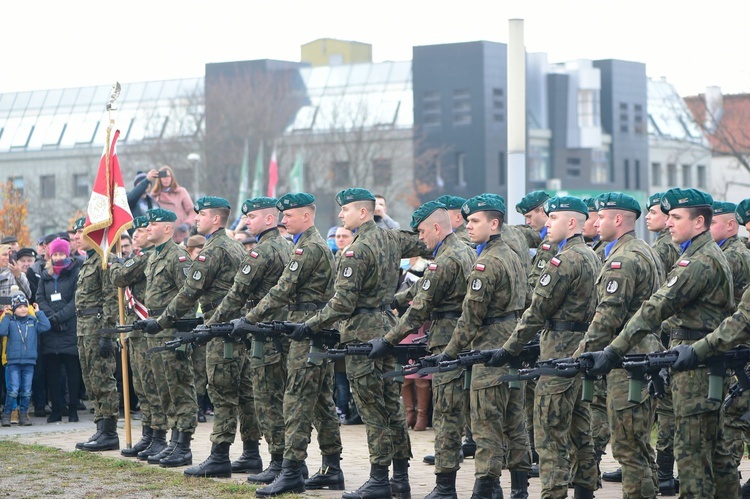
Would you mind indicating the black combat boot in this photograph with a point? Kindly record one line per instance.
(400, 487)
(484, 488)
(95, 436)
(376, 487)
(147, 434)
(269, 474)
(445, 486)
(668, 484)
(329, 476)
(289, 480)
(581, 492)
(158, 444)
(469, 447)
(249, 461)
(613, 476)
(155, 458)
(181, 455)
(217, 465)
(745, 490)
(519, 484)
(108, 440)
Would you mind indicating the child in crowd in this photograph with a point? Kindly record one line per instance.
(22, 330)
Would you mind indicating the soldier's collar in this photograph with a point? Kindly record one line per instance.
(265, 232)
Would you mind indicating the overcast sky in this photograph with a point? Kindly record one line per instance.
(47, 44)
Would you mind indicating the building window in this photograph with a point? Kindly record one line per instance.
(574, 165)
(588, 108)
(624, 117)
(671, 176)
(462, 107)
(382, 171)
(502, 171)
(431, 108)
(81, 186)
(626, 174)
(639, 126)
(687, 180)
(637, 174)
(18, 184)
(498, 104)
(47, 186)
(655, 174)
(599, 167)
(341, 172)
(700, 172)
(461, 169)
(539, 164)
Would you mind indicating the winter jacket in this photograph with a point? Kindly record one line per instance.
(23, 336)
(179, 202)
(62, 312)
(137, 206)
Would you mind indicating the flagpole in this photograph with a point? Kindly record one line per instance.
(120, 291)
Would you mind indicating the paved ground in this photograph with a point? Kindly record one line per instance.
(355, 460)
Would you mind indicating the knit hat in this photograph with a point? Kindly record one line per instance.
(18, 300)
(59, 246)
(139, 178)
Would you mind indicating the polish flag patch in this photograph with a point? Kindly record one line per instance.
(299, 251)
(181, 258)
(254, 254)
(546, 247)
(684, 263)
(555, 261)
(349, 253)
(615, 265)
(201, 258)
(480, 267)
(433, 266)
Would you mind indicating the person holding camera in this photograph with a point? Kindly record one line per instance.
(11, 273)
(173, 197)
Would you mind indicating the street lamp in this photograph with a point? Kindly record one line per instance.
(195, 160)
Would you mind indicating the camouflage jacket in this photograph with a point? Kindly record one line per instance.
(366, 281)
(733, 331)
(132, 274)
(259, 272)
(544, 253)
(307, 278)
(95, 290)
(166, 271)
(666, 249)
(738, 257)
(441, 289)
(462, 234)
(210, 277)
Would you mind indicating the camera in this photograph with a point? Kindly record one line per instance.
(4, 300)
(163, 174)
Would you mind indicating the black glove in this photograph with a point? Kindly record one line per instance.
(54, 322)
(687, 359)
(395, 305)
(380, 348)
(150, 326)
(499, 358)
(107, 347)
(603, 361)
(301, 332)
(238, 327)
(434, 360)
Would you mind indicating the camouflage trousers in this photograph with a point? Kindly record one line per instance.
(98, 375)
(562, 426)
(175, 385)
(199, 370)
(144, 384)
(449, 401)
(666, 429)
(516, 441)
(600, 430)
(231, 390)
(528, 398)
(492, 408)
(737, 431)
(269, 376)
(631, 446)
(308, 400)
(379, 403)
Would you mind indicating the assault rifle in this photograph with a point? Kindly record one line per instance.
(403, 353)
(647, 366)
(738, 388)
(182, 325)
(269, 331)
(200, 335)
(566, 367)
(735, 360)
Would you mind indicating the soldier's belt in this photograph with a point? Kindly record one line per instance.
(436, 316)
(365, 310)
(501, 318)
(83, 312)
(306, 306)
(678, 333)
(207, 307)
(155, 312)
(578, 327)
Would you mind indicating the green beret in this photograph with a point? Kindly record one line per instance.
(258, 203)
(424, 211)
(654, 199)
(161, 215)
(684, 198)
(451, 202)
(723, 207)
(483, 202)
(79, 223)
(140, 222)
(294, 200)
(742, 213)
(207, 202)
(565, 203)
(590, 204)
(354, 194)
(530, 201)
(618, 201)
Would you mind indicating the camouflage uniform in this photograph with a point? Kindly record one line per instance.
(166, 270)
(209, 279)
(439, 295)
(631, 273)
(366, 281)
(561, 307)
(96, 306)
(261, 382)
(305, 285)
(494, 298)
(698, 294)
(131, 274)
(462, 234)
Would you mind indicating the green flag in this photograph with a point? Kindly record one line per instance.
(243, 191)
(297, 176)
(258, 180)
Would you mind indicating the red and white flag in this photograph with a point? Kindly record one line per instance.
(273, 175)
(108, 213)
